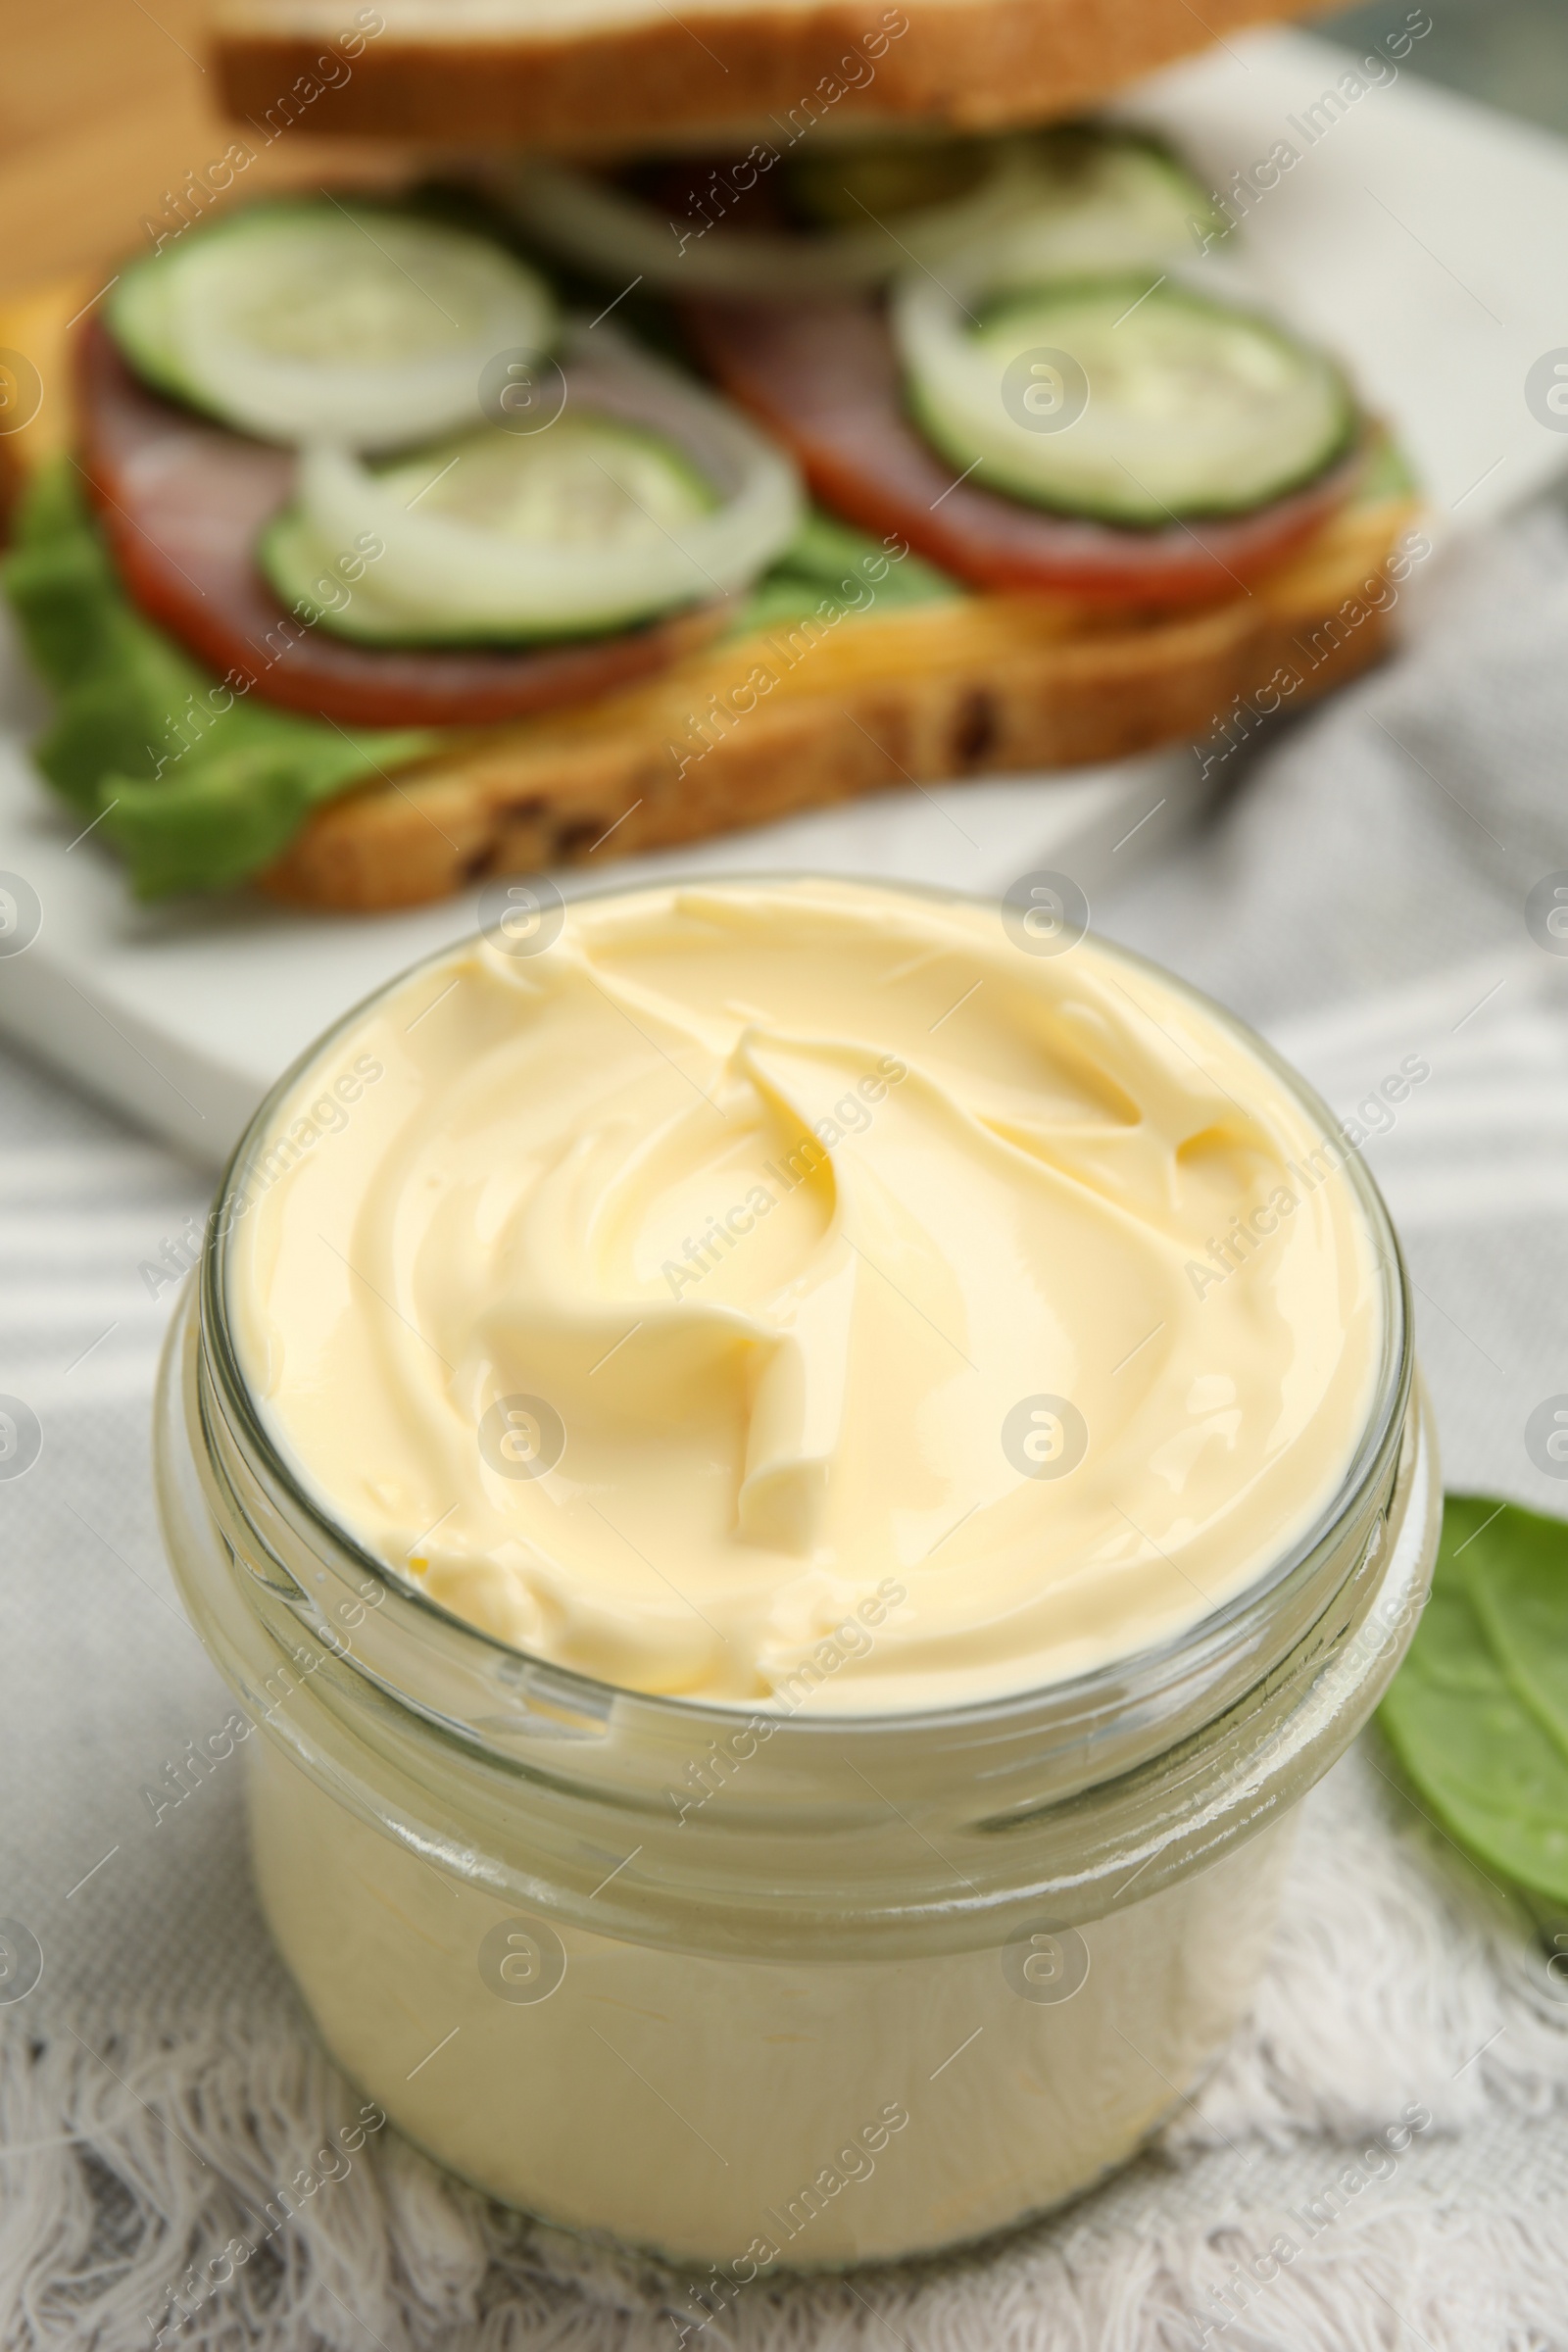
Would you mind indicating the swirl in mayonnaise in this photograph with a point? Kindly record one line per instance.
(799, 1294)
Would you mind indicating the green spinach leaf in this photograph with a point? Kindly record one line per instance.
(1477, 1713)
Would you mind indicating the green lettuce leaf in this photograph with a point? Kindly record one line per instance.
(197, 797)
(831, 562)
(196, 788)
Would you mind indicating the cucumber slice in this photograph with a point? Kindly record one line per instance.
(1170, 405)
(318, 320)
(334, 589)
(1108, 202)
(836, 188)
(593, 524)
(587, 484)
(1057, 202)
(137, 315)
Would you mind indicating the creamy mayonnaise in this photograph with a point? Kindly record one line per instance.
(751, 2114)
(807, 1294)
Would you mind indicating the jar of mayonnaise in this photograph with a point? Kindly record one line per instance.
(792, 1479)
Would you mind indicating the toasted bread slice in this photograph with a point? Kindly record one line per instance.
(605, 75)
(799, 717)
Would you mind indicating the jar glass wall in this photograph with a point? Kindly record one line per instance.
(770, 1989)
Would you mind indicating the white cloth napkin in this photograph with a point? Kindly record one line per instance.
(1362, 899)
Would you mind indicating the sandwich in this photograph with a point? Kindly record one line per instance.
(586, 508)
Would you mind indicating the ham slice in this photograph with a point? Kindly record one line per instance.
(183, 501)
(822, 375)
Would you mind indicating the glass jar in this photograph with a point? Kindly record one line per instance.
(774, 1990)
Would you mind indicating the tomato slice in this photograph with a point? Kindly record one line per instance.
(823, 376)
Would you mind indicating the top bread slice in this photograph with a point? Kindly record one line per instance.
(611, 76)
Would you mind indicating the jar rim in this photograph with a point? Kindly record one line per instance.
(1238, 1622)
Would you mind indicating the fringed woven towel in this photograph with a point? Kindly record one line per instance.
(1380, 2162)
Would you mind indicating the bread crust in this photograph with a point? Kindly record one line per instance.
(728, 73)
(987, 685)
